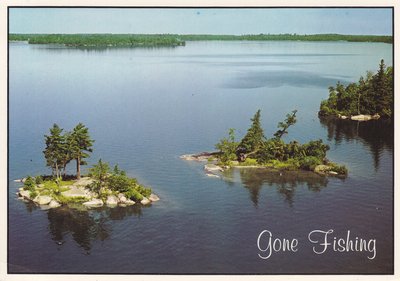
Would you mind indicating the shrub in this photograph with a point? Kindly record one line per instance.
(33, 194)
(133, 194)
(309, 163)
(249, 162)
(38, 180)
(29, 184)
(340, 169)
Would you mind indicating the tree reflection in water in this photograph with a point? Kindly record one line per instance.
(377, 135)
(285, 182)
(85, 226)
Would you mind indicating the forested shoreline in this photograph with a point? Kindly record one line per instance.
(371, 96)
(165, 40)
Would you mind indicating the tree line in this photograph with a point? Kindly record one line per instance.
(100, 40)
(373, 94)
(64, 147)
(148, 40)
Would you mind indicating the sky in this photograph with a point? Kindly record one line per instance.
(371, 21)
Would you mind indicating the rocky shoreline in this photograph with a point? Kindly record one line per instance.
(79, 190)
(212, 169)
(360, 117)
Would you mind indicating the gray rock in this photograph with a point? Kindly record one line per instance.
(122, 199)
(145, 201)
(43, 199)
(54, 204)
(25, 194)
(94, 203)
(322, 169)
(153, 197)
(112, 200)
(129, 202)
(361, 117)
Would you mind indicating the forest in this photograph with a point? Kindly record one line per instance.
(372, 95)
(160, 40)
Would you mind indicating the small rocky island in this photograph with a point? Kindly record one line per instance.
(369, 99)
(52, 194)
(256, 151)
(102, 185)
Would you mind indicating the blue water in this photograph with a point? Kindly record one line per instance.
(146, 107)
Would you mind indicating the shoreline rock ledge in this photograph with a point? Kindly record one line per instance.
(360, 117)
(79, 191)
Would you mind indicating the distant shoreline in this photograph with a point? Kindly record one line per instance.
(175, 40)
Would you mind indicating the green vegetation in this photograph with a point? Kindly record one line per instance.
(101, 40)
(161, 40)
(62, 148)
(227, 147)
(289, 37)
(116, 181)
(373, 94)
(256, 150)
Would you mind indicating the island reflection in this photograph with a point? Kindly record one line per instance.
(285, 182)
(84, 226)
(377, 135)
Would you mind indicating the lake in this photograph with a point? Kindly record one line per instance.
(146, 107)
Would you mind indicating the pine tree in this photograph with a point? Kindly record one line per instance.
(254, 137)
(79, 144)
(289, 121)
(55, 150)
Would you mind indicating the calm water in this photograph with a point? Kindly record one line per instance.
(146, 107)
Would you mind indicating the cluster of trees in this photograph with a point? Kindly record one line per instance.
(290, 37)
(100, 40)
(373, 94)
(63, 147)
(255, 148)
(90, 40)
(117, 181)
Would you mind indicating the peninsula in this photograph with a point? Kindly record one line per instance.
(257, 151)
(371, 98)
(173, 40)
(102, 185)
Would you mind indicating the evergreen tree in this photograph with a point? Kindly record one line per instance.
(227, 147)
(55, 150)
(289, 121)
(79, 144)
(254, 137)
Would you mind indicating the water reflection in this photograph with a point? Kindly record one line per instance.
(377, 135)
(285, 182)
(85, 226)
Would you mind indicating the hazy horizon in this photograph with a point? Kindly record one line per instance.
(214, 21)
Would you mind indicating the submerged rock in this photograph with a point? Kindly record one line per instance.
(94, 203)
(153, 197)
(213, 168)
